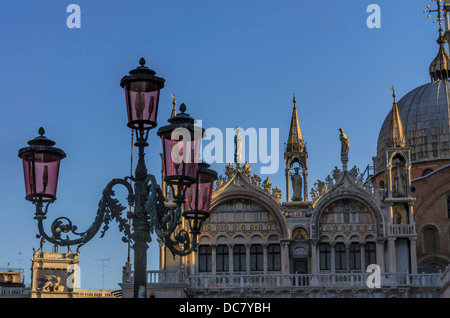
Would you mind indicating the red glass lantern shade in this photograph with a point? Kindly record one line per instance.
(41, 168)
(142, 97)
(198, 196)
(181, 149)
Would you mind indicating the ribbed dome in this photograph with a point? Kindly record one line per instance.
(425, 115)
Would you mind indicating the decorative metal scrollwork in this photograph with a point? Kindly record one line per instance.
(109, 209)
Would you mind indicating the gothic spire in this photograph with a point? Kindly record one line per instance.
(295, 141)
(396, 137)
(174, 103)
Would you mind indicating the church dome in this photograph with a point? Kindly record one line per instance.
(425, 115)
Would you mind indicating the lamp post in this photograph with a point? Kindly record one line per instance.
(181, 146)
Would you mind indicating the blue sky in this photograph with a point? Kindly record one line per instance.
(233, 63)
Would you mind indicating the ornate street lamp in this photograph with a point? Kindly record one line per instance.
(181, 145)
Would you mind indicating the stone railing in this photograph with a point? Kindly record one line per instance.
(55, 256)
(14, 291)
(97, 293)
(402, 229)
(310, 280)
(445, 280)
(157, 278)
(164, 277)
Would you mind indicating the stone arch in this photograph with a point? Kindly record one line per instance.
(398, 154)
(266, 202)
(430, 238)
(299, 233)
(273, 238)
(222, 239)
(364, 198)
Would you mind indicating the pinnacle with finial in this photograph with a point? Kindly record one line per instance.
(174, 103)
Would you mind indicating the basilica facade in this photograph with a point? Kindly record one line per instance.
(384, 234)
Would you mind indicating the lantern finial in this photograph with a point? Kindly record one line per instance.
(182, 108)
(142, 61)
(41, 131)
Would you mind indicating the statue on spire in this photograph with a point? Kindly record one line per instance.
(345, 146)
(238, 145)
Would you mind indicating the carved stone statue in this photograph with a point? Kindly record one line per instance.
(314, 194)
(329, 182)
(267, 185)
(238, 145)
(229, 171)
(220, 182)
(246, 170)
(399, 183)
(296, 179)
(276, 194)
(354, 172)
(320, 186)
(336, 174)
(52, 284)
(256, 180)
(345, 143)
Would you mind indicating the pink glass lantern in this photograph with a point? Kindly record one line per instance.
(198, 196)
(41, 168)
(142, 97)
(181, 149)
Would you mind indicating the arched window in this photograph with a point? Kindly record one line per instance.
(204, 258)
(430, 240)
(222, 258)
(256, 258)
(239, 258)
(274, 257)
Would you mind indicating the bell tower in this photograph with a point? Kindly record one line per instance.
(296, 157)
